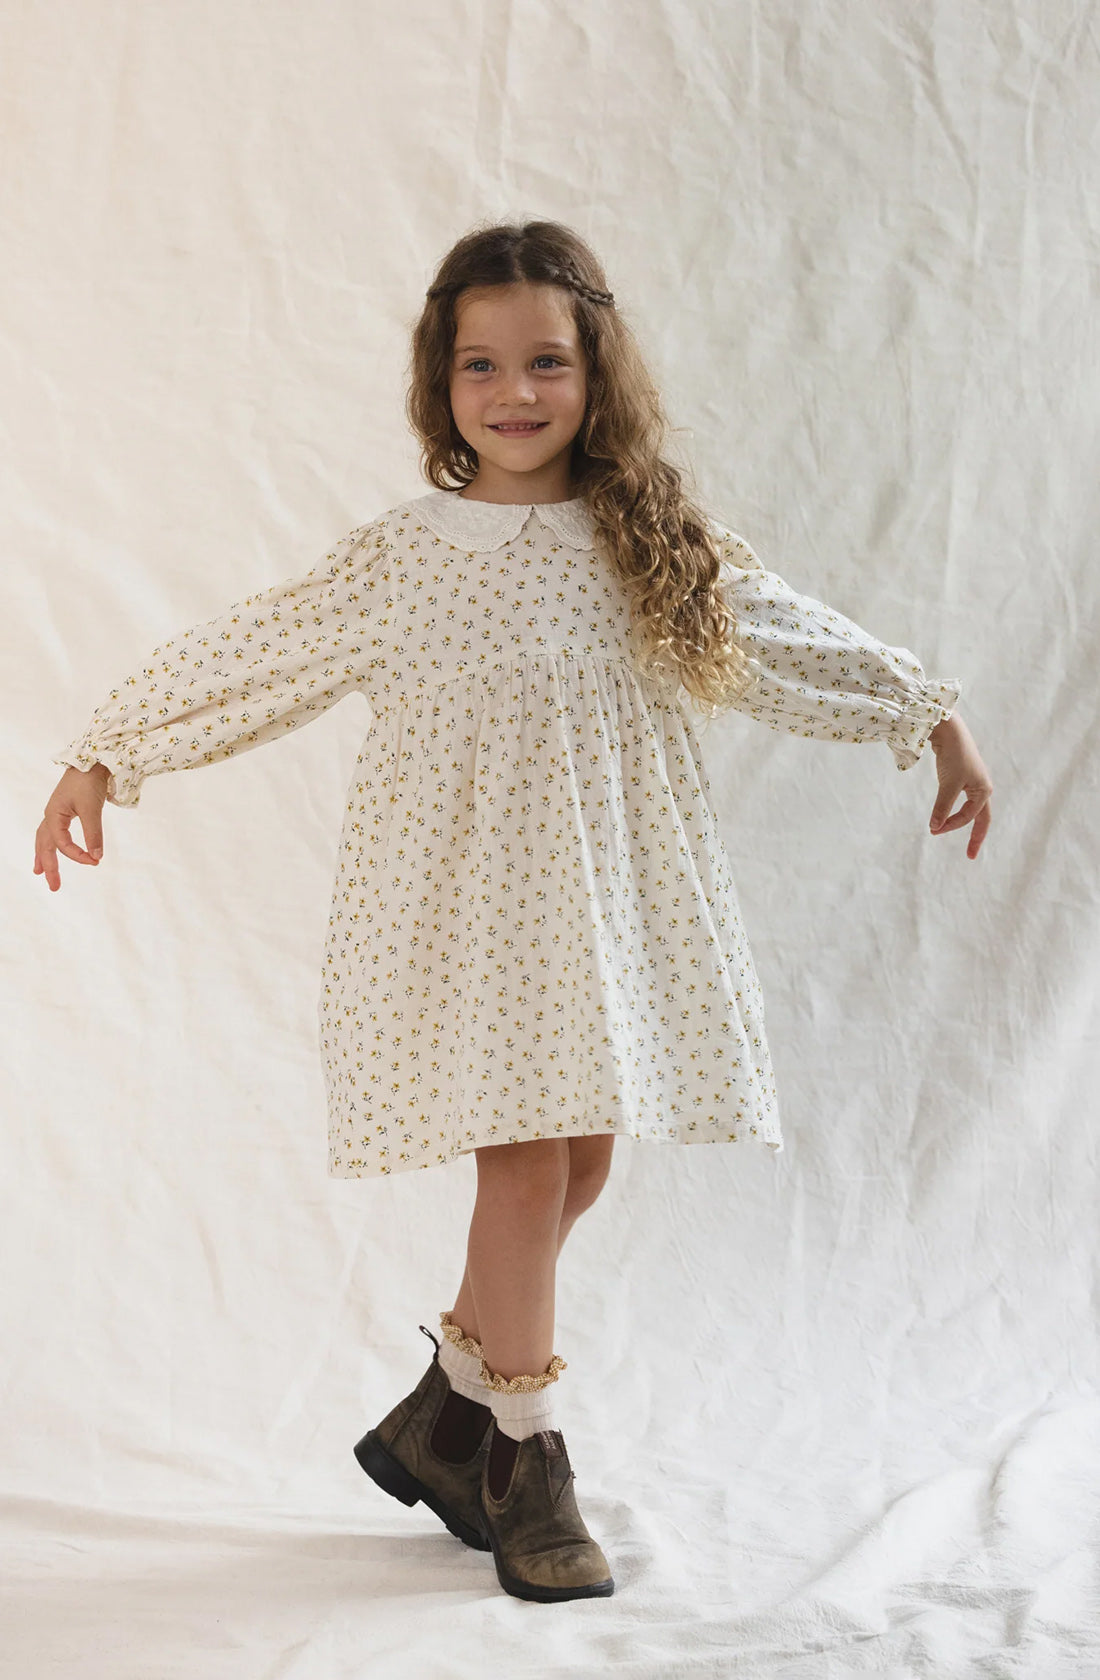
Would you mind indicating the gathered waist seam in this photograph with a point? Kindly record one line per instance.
(485, 668)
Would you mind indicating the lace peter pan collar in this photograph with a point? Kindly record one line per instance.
(487, 526)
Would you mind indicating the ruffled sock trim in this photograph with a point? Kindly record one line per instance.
(525, 1384)
(464, 1343)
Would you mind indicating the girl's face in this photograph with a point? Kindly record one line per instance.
(517, 359)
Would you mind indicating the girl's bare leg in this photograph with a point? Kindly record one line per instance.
(589, 1165)
(527, 1203)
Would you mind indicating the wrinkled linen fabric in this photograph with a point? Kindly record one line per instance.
(534, 928)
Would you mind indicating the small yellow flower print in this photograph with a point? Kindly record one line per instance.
(534, 927)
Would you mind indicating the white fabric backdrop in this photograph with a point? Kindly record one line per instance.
(831, 1414)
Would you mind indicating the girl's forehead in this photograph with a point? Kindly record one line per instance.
(522, 300)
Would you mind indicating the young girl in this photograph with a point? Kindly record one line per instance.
(535, 944)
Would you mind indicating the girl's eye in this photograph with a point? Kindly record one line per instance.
(483, 361)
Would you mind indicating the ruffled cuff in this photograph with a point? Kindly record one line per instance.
(124, 779)
(934, 702)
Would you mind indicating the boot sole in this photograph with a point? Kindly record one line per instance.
(393, 1478)
(546, 1595)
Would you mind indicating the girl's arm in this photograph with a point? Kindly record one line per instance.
(820, 674)
(266, 665)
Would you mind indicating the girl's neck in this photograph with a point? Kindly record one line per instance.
(512, 489)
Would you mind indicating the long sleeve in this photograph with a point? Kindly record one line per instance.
(264, 666)
(818, 673)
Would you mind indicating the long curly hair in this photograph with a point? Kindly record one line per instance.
(660, 543)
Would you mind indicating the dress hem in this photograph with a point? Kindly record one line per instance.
(771, 1141)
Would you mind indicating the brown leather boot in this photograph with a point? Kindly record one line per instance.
(432, 1446)
(541, 1547)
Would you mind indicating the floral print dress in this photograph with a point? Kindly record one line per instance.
(534, 929)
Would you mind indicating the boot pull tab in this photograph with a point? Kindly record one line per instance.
(435, 1339)
(551, 1442)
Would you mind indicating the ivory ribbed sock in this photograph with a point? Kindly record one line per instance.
(520, 1415)
(463, 1368)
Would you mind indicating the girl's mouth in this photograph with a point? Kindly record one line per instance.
(527, 429)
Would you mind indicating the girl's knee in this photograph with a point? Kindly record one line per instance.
(589, 1166)
(532, 1176)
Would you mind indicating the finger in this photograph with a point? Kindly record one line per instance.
(941, 818)
(45, 863)
(69, 848)
(92, 829)
(965, 814)
(942, 808)
(981, 829)
(59, 831)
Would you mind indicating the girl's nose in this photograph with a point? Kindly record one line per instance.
(517, 385)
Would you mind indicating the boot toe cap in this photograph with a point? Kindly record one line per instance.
(579, 1565)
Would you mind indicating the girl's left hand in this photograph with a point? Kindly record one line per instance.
(960, 770)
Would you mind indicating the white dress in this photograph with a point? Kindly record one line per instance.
(534, 930)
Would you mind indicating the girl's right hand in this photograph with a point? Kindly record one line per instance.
(79, 793)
